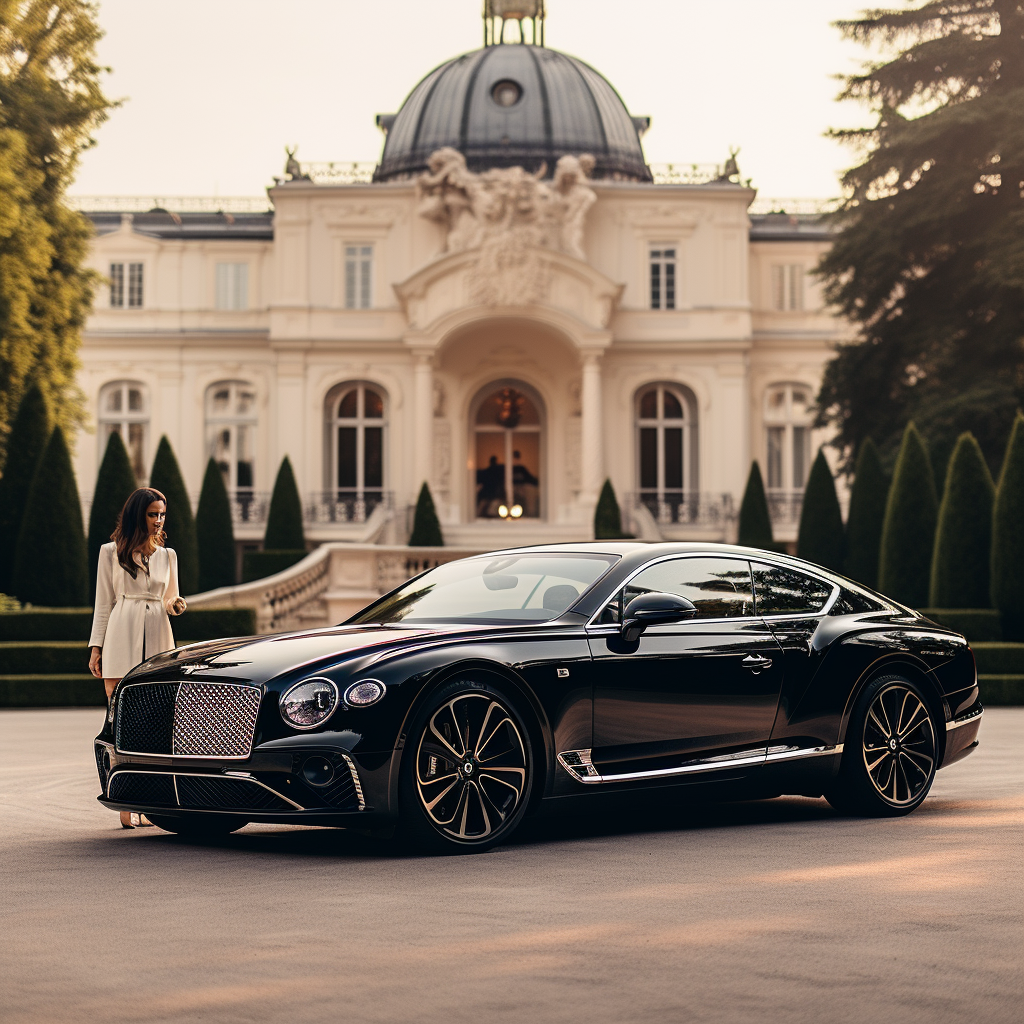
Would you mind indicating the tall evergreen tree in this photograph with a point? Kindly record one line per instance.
(114, 482)
(867, 513)
(1008, 537)
(755, 525)
(180, 525)
(908, 531)
(426, 528)
(607, 515)
(963, 539)
(214, 531)
(930, 236)
(50, 567)
(29, 434)
(821, 537)
(284, 520)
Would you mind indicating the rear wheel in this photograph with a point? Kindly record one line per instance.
(198, 826)
(891, 752)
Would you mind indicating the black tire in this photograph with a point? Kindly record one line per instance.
(198, 826)
(891, 751)
(467, 772)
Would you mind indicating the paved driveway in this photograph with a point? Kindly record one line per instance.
(772, 911)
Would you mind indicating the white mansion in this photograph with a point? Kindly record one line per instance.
(511, 307)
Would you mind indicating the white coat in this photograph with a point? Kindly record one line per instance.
(131, 619)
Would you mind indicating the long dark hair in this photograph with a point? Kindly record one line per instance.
(132, 530)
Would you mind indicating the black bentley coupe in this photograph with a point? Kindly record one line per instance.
(490, 687)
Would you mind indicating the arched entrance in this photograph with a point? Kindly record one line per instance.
(507, 446)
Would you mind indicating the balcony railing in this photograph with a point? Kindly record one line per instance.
(250, 508)
(785, 507)
(685, 508)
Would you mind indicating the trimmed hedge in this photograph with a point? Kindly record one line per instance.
(426, 528)
(867, 513)
(977, 624)
(213, 623)
(1008, 536)
(48, 657)
(821, 538)
(1001, 691)
(284, 519)
(214, 533)
(258, 565)
(44, 624)
(51, 691)
(180, 524)
(755, 525)
(114, 483)
(999, 658)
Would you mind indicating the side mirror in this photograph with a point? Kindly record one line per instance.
(654, 610)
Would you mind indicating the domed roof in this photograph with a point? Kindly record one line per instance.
(514, 105)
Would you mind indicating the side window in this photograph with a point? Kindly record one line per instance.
(787, 592)
(850, 602)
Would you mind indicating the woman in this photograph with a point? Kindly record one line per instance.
(136, 590)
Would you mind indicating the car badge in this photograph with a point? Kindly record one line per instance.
(194, 666)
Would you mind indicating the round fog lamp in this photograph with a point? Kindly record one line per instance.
(317, 771)
(309, 703)
(364, 693)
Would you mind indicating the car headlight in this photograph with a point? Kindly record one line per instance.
(309, 703)
(364, 693)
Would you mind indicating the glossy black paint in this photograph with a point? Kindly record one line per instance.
(681, 694)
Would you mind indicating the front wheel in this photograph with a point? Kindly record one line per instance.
(198, 826)
(891, 752)
(468, 771)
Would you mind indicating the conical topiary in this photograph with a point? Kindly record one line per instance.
(607, 516)
(821, 538)
(963, 538)
(426, 529)
(1008, 537)
(25, 443)
(180, 525)
(284, 520)
(908, 533)
(214, 532)
(114, 482)
(50, 567)
(755, 526)
(866, 515)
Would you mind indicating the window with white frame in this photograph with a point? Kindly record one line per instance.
(788, 417)
(126, 285)
(124, 410)
(231, 421)
(666, 443)
(358, 276)
(663, 277)
(356, 422)
(787, 286)
(232, 291)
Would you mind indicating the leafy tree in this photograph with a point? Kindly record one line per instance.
(963, 539)
(821, 537)
(867, 513)
(426, 529)
(50, 567)
(180, 525)
(114, 482)
(1008, 537)
(755, 526)
(284, 520)
(28, 437)
(50, 103)
(928, 259)
(607, 515)
(908, 531)
(214, 532)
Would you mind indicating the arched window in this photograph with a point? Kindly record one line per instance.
(355, 422)
(231, 419)
(124, 409)
(507, 448)
(666, 446)
(787, 417)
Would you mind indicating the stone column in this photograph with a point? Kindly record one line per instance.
(591, 426)
(423, 424)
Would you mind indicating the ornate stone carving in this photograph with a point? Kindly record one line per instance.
(442, 458)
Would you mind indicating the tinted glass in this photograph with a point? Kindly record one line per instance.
(719, 587)
(850, 602)
(786, 592)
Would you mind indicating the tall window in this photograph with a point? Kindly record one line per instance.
(507, 445)
(358, 275)
(232, 286)
(787, 286)
(788, 429)
(123, 410)
(356, 422)
(231, 418)
(667, 440)
(118, 292)
(663, 278)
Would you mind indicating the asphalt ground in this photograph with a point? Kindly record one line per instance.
(765, 911)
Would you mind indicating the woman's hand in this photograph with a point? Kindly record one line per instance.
(94, 662)
(178, 605)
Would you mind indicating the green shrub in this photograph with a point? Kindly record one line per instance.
(608, 516)
(1008, 536)
(908, 532)
(258, 565)
(29, 433)
(180, 524)
(214, 532)
(998, 658)
(51, 691)
(821, 538)
(213, 623)
(867, 513)
(114, 482)
(1001, 690)
(50, 565)
(963, 539)
(426, 528)
(52, 657)
(755, 525)
(977, 624)
(284, 520)
(50, 624)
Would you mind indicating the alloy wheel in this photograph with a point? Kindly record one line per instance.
(899, 745)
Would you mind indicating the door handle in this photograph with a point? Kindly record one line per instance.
(756, 662)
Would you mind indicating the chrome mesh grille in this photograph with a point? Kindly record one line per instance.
(214, 720)
(145, 716)
(147, 789)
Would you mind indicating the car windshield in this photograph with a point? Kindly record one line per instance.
(499, 589)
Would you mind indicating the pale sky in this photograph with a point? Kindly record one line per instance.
(214, 89)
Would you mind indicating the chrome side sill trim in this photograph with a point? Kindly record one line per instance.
(240, 776)
(971, 716)
(801, 752)
(355, 780)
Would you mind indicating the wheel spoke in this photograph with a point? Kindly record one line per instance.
(882, 727)
(442, 740)
(883, 754)
(912, 722)
(912, 755)
(433, 803)
(902, 767)
(488, 829)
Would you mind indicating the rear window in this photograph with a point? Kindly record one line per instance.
(780, 591)
(850, 602)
